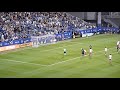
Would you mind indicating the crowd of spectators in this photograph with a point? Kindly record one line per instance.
(17, 25)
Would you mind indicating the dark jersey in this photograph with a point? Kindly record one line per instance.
(82, 51)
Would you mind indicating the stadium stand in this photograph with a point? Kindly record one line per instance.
(112, 18)
(116, 21)
(18, 25)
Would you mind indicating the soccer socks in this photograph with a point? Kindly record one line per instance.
(64, 53)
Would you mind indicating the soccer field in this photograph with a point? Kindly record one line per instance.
(50, 62)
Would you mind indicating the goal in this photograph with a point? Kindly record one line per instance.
(43, 40)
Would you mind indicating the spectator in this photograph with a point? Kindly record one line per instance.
(25, 24)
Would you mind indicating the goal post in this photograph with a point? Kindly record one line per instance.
(34, 40)
(43, 40)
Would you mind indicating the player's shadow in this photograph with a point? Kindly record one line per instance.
(82, 57)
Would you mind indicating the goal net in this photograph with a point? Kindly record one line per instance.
(43, 40)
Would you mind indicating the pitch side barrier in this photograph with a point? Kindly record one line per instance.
(19, 43)
(64, 36)
(99, 29)
(89, 32)
(14, 44)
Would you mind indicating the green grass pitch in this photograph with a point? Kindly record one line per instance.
(49, 61)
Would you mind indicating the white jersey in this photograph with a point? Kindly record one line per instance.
(64, 50)
(91, 50)
(110, 56)
(84, 50)
(105, 49)
(118, 42)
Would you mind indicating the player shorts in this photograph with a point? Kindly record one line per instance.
(64, 52)
(110, 59)
(117, 47)
(90, 52)
(82, 53)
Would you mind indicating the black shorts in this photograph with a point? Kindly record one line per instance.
(117, 47)
(64, 52)
(82, 53)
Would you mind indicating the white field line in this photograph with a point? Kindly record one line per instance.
(24, 62)
(26, 48)
(44, 50)
(62, 47)
(50, 64)
(75, 58)
(31, 72)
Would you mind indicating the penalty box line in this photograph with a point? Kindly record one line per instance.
(50, 64)
(24, 62)
(27, 48)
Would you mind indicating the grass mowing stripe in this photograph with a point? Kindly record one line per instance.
(50, 64)
(24, 62)
(74, 58)
(44, 69)
(70, 69)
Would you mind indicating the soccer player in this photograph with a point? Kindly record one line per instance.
(110, 58)
(106, 51)
(65, 51)
(90, 52)
(85, 52)
(82, 52)
(118, 42)
(118, 48)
